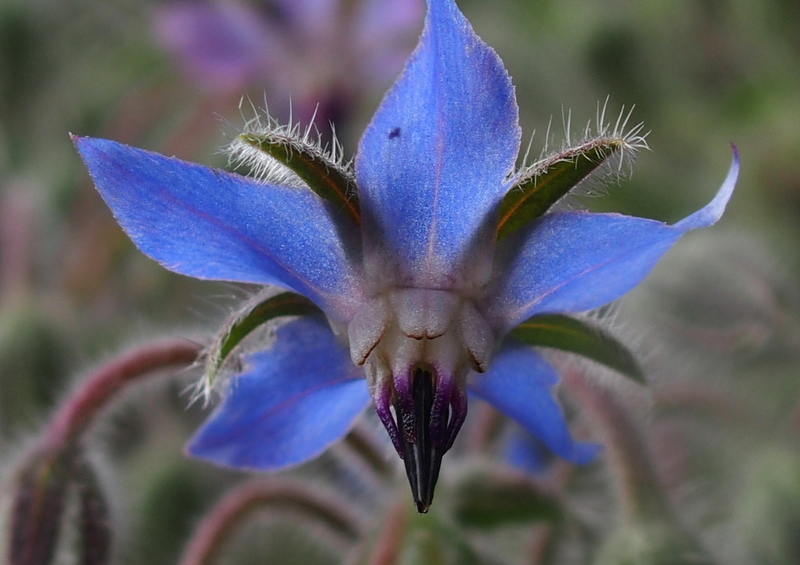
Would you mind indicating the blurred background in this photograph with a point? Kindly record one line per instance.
(717, 324)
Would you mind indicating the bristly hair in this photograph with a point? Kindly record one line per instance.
(614, 143)
(290, 137)
(218, 369)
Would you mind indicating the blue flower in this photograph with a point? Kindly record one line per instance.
(418, 289)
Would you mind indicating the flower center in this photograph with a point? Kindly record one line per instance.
(417, 346)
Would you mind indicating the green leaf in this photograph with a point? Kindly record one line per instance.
(545, 182)
(576, 336)
(327, 178)
(256, 314)
(489, 501)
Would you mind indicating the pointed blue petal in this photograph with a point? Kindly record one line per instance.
(292, 401)
(576, 261)
(527, 453)
(432, 162)
(210, 224)
(712, 212)
(519, 384)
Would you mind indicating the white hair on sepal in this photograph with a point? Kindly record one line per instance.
(218, 372)
(616, 143)
(265, 168)
(610, 319)
(518, 171)
(632, 139)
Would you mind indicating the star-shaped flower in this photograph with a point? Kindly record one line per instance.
(427, 261)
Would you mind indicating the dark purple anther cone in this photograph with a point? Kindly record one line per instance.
(426, 430)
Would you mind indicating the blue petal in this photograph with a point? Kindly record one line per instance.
(519, 384)
(527, 453)
(292, 402)
(712, 212)
(433, 161)
(210, 224)
(576, 261)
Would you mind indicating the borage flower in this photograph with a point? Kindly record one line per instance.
(427, 261)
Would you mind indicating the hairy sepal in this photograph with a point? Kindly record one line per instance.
(577, 336)
(267, 151)
(547, 181)
(254, 315)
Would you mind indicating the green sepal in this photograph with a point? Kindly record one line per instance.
(545, 182)
(253, 316)
(323, 175)
(487, 501)
(576, 336)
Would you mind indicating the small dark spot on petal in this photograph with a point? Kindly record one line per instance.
(394, 133)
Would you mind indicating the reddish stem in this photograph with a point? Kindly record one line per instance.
(95, 392)
(390, 540)
(220, 523)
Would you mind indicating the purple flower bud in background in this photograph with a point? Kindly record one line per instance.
(321, 54)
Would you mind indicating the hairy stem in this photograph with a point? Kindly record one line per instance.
(95, 392)
(221, 522)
